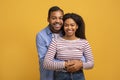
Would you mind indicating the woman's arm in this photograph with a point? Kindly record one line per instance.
(49, 62)
(88, 56)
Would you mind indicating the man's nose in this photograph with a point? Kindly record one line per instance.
(57, 20)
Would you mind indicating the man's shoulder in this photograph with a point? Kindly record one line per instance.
(43, 31)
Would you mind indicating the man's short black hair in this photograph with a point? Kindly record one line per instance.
(54, 8)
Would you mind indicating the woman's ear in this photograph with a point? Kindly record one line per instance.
(77, 27)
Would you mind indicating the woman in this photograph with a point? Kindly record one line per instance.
(71, 46)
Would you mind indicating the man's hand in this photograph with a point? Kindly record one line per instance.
(73, 65)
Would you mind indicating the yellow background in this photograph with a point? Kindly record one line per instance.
(20, 20)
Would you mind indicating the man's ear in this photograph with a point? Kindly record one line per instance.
(48, 19)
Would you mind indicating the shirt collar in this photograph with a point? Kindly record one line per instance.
(48, 30)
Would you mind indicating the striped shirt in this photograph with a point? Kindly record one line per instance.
(68, 50)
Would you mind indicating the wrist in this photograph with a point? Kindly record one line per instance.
(81, 63)
(66, 64)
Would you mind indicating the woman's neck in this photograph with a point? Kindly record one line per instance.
(70, 37)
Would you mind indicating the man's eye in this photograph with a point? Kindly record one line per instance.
(53, 18)
(60, 18)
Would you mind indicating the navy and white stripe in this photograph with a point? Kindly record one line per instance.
(67, 50)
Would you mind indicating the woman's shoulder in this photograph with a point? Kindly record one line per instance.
(83, 40)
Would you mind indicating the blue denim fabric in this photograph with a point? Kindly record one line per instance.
(59, 75)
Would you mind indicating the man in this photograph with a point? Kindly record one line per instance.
(44, 37)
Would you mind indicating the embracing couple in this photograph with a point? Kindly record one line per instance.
(62, 47)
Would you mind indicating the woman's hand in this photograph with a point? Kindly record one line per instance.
(73, 65)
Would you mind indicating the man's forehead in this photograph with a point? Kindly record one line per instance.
(56, 13)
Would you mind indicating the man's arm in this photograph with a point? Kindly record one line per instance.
(41, 46)
(42, 49)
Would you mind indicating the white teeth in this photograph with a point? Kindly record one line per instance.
(57, 25)
(69, 31)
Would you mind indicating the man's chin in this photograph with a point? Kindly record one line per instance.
(57, 28)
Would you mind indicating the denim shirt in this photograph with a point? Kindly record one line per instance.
(43, 39)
